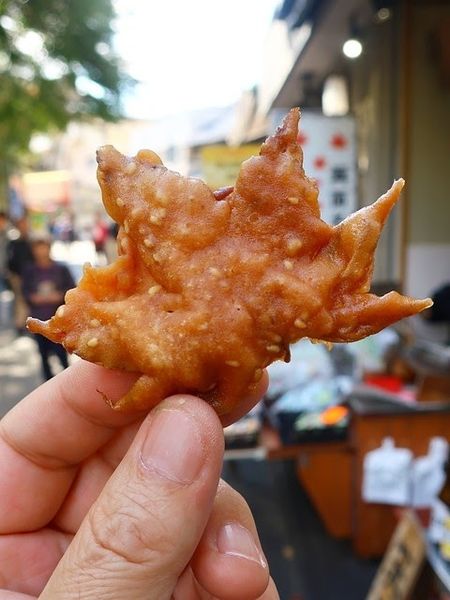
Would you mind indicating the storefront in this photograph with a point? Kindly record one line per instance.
(392, 83)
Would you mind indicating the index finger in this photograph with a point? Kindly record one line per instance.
(48, 434)
(55, 428)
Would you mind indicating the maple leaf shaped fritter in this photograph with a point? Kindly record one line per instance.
(209, 289)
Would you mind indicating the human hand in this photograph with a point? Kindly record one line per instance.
(97, 503)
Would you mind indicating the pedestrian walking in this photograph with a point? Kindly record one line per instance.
(45, 283)
(19, 254)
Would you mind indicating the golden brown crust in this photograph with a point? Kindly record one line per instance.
(208, 290)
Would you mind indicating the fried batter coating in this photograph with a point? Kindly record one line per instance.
(209, 289)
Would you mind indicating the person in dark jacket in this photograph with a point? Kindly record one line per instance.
(4, 240)
(45, 283)
(19, 254)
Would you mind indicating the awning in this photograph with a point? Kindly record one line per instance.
(323, 51)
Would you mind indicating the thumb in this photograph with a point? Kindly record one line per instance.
(141, 533)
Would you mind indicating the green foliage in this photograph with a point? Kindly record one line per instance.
(56, 65)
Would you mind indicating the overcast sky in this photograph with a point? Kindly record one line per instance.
(190, 53)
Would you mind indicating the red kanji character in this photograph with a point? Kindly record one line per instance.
(319, 162)
(338, 141)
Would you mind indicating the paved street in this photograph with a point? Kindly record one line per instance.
(19, 368)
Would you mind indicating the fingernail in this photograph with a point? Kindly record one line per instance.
(173, 446)
(235, 540)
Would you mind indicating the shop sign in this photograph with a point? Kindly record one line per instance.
(46, 191)
(221, 163)
(402, 562)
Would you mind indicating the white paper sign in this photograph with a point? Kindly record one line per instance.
(387, 475)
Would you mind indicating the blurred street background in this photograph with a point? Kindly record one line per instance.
(203, 84)
(20, 370)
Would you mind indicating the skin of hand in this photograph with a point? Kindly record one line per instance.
(107, 505)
